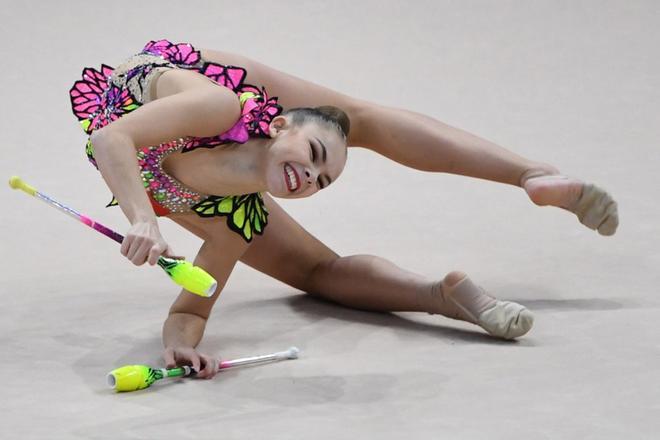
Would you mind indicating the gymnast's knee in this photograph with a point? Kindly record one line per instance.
(318, 274)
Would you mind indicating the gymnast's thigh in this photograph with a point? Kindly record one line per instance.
(290, 90)
(286, 251)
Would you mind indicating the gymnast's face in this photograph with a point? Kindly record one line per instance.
(303, 158)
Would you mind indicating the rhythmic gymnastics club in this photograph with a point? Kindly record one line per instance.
(138, 377)
(192, 278)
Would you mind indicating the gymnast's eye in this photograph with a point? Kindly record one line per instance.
(311, 148)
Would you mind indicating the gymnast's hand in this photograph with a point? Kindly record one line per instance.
(144, 243)
(205, 366)
(594, 206)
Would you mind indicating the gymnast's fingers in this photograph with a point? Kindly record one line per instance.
(133, 246)
(155, 252)
(140, 256)
(126, 245)
(171, 254)
(188, 356)
(195, 361)
(209, 367)
(177, 356)
(168, 357)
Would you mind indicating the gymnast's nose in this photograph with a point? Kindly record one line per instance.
(310, 176)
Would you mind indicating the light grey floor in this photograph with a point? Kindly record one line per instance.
(575, 84)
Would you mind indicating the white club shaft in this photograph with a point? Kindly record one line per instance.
(291, 353)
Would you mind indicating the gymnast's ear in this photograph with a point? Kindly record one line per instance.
(278, 124)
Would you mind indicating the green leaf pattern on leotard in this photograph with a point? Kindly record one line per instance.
(245, 214)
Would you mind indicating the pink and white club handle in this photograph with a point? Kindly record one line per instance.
(291, 353)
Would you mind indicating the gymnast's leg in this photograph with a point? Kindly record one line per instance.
(410, 138)
(421, 142)
(292, 255)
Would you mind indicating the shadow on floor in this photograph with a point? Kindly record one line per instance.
(547, 299)
(312, 308)
(572, 305)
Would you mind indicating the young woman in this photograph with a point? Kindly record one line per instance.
(206, 138)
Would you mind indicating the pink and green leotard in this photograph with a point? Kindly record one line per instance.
(105, 95)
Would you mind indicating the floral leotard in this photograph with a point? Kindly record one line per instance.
(105, 95)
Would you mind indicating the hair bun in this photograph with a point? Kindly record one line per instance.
(328, 114)
(337, 115)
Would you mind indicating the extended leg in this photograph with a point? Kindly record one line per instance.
(290, 254)
(424, 143)
(410, 138)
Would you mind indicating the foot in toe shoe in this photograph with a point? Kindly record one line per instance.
(597, 210)
(469, 302)
(506, 320)
(594, 207)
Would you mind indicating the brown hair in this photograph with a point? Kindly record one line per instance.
(328, 114)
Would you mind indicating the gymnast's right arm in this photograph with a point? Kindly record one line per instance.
(187, 318)
(201, 111)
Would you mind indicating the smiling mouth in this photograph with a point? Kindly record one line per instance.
(291, 178)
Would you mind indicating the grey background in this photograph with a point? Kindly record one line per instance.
(572, 83)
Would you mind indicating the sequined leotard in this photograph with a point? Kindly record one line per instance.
(105, 95)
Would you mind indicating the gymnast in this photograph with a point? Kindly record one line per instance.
(208, 138)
